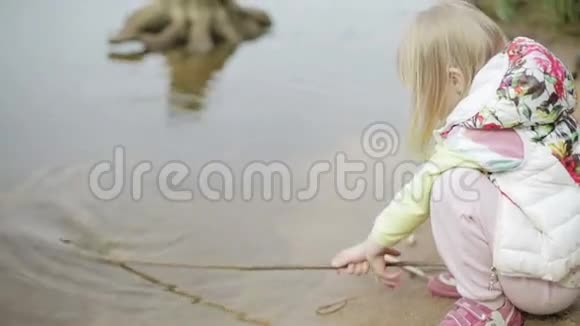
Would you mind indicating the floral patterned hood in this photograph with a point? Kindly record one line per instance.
(537, 97)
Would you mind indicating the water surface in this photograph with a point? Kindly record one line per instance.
(301, 94)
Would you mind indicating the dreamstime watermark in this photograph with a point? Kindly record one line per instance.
(352, 179)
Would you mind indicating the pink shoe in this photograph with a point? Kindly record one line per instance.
(443, 285)
(470, 313)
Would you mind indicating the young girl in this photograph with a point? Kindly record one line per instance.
(502, 185)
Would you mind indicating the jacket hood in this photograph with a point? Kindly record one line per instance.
(529, 89)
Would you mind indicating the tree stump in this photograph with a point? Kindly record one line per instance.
(197, 25)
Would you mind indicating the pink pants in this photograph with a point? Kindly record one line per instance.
(463, 216)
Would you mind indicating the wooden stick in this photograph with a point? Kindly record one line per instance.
(265, 268)
(407, 265)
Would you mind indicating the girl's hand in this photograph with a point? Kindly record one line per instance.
(352, 260)
(375, 255)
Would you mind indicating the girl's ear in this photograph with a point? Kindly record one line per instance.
(457, 80)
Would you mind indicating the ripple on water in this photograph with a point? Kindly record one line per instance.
(35, 261)
(52, 228)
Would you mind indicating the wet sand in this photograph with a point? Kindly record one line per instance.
(299, 95)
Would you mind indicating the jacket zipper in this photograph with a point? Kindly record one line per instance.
(493, 279)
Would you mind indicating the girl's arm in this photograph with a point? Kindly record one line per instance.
(485, 150)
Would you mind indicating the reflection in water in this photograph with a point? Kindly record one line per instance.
(190, 74)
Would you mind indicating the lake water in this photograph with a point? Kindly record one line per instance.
(300, 95)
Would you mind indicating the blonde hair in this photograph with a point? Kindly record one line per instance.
(450, 34)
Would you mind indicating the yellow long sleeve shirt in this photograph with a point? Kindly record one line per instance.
(481, 150)
(410, 207)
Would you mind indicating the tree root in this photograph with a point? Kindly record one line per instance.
(199, 25)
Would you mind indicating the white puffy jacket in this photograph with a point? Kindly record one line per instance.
(532, 93)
